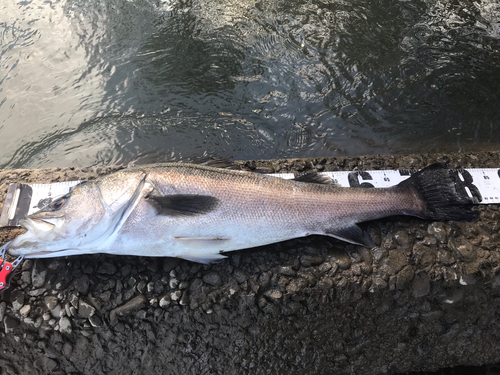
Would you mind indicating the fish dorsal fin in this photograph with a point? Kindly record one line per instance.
(224, 163)
(184, 204)
(353, 234)
(315, 178)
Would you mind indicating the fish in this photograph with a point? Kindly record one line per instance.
(200, 213)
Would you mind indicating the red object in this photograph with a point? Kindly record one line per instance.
(5, 270)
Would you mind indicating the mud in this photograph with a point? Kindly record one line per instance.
(427, 298)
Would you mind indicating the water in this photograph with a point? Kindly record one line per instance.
(90, 82)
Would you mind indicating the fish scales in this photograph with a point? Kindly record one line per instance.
(198, 212)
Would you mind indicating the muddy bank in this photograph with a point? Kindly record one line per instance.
(428, 297)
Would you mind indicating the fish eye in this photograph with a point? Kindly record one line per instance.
(58, 203)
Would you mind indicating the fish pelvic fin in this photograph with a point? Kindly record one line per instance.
(353, 234)
(442, 193)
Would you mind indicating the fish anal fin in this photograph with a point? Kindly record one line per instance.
(202, 257)
(184, 204)
(353, 234)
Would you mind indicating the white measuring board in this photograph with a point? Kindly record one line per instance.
(482, 183)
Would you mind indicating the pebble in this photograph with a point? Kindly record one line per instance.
(82, 284)
(17, 299)
(50, 302)
(438, 231)
(3, 307)
(134, 304)
(106, 268)
(95, 321)
(311, 260)
(165, 301)
(10, 323)
(421, 285)
(38, 274)
(56, 311)
(25, 310)
(85, 310)
(65, 325)
(212, 278)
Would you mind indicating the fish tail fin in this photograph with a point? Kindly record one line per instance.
(443, 194)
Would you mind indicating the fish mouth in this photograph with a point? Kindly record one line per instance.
(37, 225)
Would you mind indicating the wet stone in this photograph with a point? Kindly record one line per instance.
(25, 310)
(106, 268)
(429, 241)
(397, 260)
(129, 307)
(212, 278)
(10, 323)
(403, 240)
(467, 252)
(50, 302)
(82, 284)
(95, 321)
(85, 310)
(264, 279)
(38, 274)
(311, 260)
(65, 325)
(3, 308)
(17, 299)
(421, 285)
(438, 231)
(343, 260)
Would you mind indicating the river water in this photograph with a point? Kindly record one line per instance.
(92, 82)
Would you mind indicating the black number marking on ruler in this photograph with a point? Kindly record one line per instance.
(353, 178)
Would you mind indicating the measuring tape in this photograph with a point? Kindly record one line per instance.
(481, 183)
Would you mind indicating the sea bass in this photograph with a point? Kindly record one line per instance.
(198, 212)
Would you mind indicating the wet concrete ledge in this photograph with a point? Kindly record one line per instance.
(427, 298)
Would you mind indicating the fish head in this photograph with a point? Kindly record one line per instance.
(80, 221)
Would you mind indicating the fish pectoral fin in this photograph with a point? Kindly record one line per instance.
(353, 234)
(184, 204)
(202, 257)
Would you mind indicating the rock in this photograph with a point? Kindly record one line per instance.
(17, 299)
(311, 260)
(438, 231)
(106, 268)
(3, 307)
(95, 321)
(50, 302)
(164, 301)
(82, 284)
(421, 285)
(212, 278)
(38, 274)
(286, 270)
(10, 323)
(134, 304)
(56, 311)
(45, 364)
(273, 294)
(85, 310)
(65, 325)
(25, 310)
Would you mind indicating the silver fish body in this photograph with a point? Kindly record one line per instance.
(198, 213)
